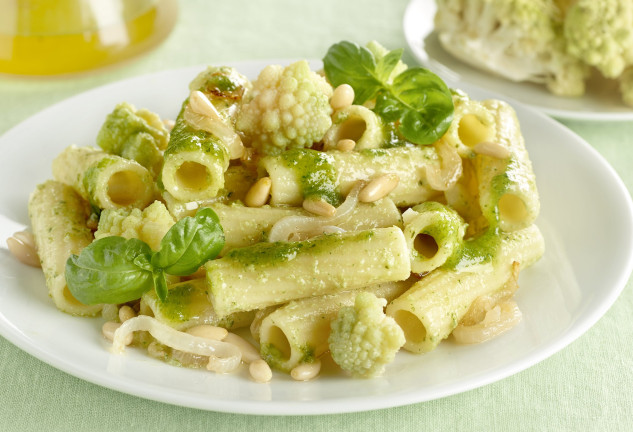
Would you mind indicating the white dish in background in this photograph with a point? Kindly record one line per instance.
(601, 101)
(585, 209)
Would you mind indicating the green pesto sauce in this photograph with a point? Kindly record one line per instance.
(91, 177)
(185, 138)
(273, 356)
(270, 254)
(315, 174)
(183, 302)
(477, 250)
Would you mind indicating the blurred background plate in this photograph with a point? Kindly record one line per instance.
(600, 102)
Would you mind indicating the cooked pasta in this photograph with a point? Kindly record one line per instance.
(392, 226)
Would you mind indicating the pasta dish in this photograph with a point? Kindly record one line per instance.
(303, 217)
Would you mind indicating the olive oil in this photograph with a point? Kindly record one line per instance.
(48, 37)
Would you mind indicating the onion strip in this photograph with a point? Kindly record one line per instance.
(225, 356)
(300, 227)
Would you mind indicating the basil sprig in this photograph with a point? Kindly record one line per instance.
(117, 270)
(417, 101)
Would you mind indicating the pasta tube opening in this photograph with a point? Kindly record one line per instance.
(425, 245)
(512, 210)
(471, 130)
(192, 175)
(414, 330)
(125, 188)
(356, 123)
(277, 340)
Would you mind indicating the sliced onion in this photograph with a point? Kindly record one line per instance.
(451, 169)
(217, 127)
(225, 356)
(497, 320)
(292, 228)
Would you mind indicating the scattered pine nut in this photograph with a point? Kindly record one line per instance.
(125, 313)
(260, 371)
(306, 371)
(346, 145)
(22, 246)
(492, 149)
(258, 194)
(319, 207)
(342, 97)
(208, 331)
(378, 188)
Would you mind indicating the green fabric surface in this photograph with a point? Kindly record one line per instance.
(588, 386)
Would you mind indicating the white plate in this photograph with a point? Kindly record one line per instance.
(600, 102)
(586, 220)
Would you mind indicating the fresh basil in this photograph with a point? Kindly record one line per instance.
(189, 242)
(417, 101)
(115, 270)
(110, 270)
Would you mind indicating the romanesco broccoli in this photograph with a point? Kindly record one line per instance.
(363, 339)
(134, 134)
(600, 33)
(287, 108)
(149, 225)
(521, 40)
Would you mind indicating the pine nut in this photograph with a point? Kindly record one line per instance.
(319, 207)
(342, 97)
(258, 194)
(260, 371)
(249, 352)
(346, 145)
(378, 188)
(492, 149)
(22, 246)
(306, 371)
(125, 313)
(208, 331)
(110, 327)
(200, 104)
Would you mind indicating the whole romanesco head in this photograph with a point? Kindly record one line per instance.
(139, 135)
(521, 40)
(363, 339)
(288, 107)
(149, 225)
(600, 33)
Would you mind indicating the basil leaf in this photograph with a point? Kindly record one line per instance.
(189, 243)
(160, 284)
(386, 64)
(421, 102)
(348, 63)
(110, 270)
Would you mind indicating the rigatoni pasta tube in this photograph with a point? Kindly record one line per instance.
(433, 232)
(58, 219)
(187, 305)
(245, 226)
(298, 332)
(266, 274)
(507, 186)
(194, 163)
(106, 181)
(301, 173)
(430, 310)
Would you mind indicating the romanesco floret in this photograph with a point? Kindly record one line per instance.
(287, 108)
(363, 339)
(521, 40)
(600, 33)
(149, 225)
(134, 134)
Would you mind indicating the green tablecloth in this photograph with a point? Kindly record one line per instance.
(587, 386)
